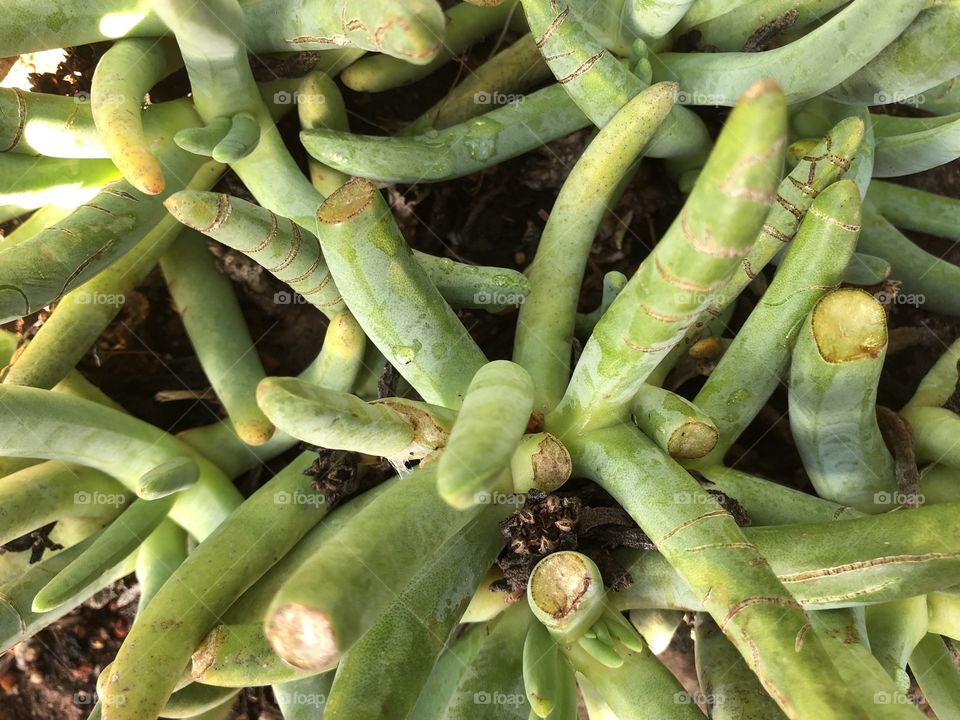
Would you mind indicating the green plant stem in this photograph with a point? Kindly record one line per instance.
(937, 675)
(845, 637)
(600, 84)
(912, 64)
(486, 434)
(18, 621)
(236, 653)
(822, 563)
(768, 503)
(36, 123)
(304, 699)
(740, 25)
(824, 164)
(335, 368)
(160, 554)
(895, 629)
(920, 146)
(41, 423)
(335, 420)
(125, 73)
(931, 280)
(613, 282)
(834, 374)
(918, 210)
(547, 318)
(91, 238)
(453, 152)
(412, 629)
(703, 543)
(214, 322)
(320, 105)
(196, 699)
(805, 68)
(209, 36)
(311, 621)
(28, 183)
(510, 72)
(488, 681)
(466, 25)
(410, 28)
(397, 306)
(729, 689)
(752, 366)
(694, 259)
(459, 654)
(34, 496)
(674, 423)
(655, 18)
(205, 585)
(119, 540)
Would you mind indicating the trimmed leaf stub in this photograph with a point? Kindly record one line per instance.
(849, 324)
(304, 638)
(566, 593)
(349, 201)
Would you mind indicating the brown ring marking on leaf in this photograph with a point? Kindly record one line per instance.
(338, 40)
(647, 348)
(773, 232)
(687, 523)
(679, 282)
(319, 286)
(830, 220)
(716, 546)
(292, 253)
(270, 237)
(309, 271)
(584, 68)
(553, 26)
(739, 607)
(224, 210)
(912, 558)
(668, 317)
(707, 246)
(789, 207)
(21, 119)
(120, 193)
